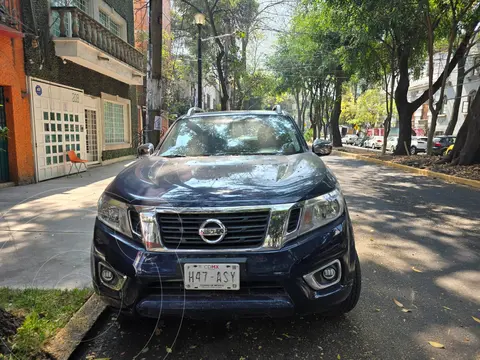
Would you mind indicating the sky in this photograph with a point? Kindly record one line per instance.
(276, 21)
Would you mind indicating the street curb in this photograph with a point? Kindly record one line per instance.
(68, 338)
(423, 172)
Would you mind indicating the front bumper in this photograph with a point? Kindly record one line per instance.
(271, 282)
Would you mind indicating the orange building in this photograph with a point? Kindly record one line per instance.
(16, 153)
(142, 23)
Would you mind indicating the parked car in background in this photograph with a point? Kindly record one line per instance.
(361, 140)
(349, 139)
(377, 142)
(441, 143)
(449, 149)
(392, 142)
(373, 142)
(418, 144)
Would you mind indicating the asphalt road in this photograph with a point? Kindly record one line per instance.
(402, 222)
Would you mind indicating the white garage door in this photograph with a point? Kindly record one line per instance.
(59, 127)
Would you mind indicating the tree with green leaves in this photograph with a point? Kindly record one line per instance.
(443, 20)
(400, 26)
(308, 62)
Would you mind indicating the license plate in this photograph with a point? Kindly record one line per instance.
(212, 276)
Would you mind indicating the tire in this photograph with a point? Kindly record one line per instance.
(413, 150)
(351, 301)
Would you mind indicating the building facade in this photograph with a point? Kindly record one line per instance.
(82, 71)
(16, 154)
(422, 117)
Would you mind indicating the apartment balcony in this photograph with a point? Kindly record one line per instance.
(81, 39)
(9, 18)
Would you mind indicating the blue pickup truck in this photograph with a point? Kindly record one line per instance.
(232, 214)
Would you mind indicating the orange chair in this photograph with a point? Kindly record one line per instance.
(74, 160)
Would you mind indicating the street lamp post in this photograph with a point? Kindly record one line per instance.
(200, 21)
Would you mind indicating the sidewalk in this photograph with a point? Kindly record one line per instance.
(46, 229)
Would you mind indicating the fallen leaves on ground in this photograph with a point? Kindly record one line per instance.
(476, 319)
(398, 303)
(168, 350)
(436, 345)
(446, 308)
(416, 270)
(406, 310)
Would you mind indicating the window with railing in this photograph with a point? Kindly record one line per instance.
(83, 5)
(111, 25)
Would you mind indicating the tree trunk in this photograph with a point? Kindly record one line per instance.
(223, 84)
(304, 109)
(311, 116)
(404, 108)
(467, 146)
(337, 108)
(458, 96)
(299, 110)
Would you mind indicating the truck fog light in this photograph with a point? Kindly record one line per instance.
(107, 275)
(329, 273)
(325, 276)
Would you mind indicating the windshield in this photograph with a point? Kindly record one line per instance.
(232, 135)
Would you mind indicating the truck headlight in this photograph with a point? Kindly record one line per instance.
(114, 213)
(321, 210)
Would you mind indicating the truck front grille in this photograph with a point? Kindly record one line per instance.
(244, 229)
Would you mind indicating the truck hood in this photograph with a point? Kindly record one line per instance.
(222, 180)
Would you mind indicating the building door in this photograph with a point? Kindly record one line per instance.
(4, 177)
(59, 124)
(92, 128)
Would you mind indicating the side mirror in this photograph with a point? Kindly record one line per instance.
(145, 150)
(321, 148)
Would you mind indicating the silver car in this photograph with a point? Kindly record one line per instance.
(418, 145)
(392, 142)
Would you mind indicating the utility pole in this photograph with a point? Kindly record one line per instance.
(154, 69)
(199, 66)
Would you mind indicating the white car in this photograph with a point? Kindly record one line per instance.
(392, 142)
(349, 139)
(418, 144)
(375, 142)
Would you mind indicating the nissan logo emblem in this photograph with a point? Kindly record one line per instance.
(212, 231)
